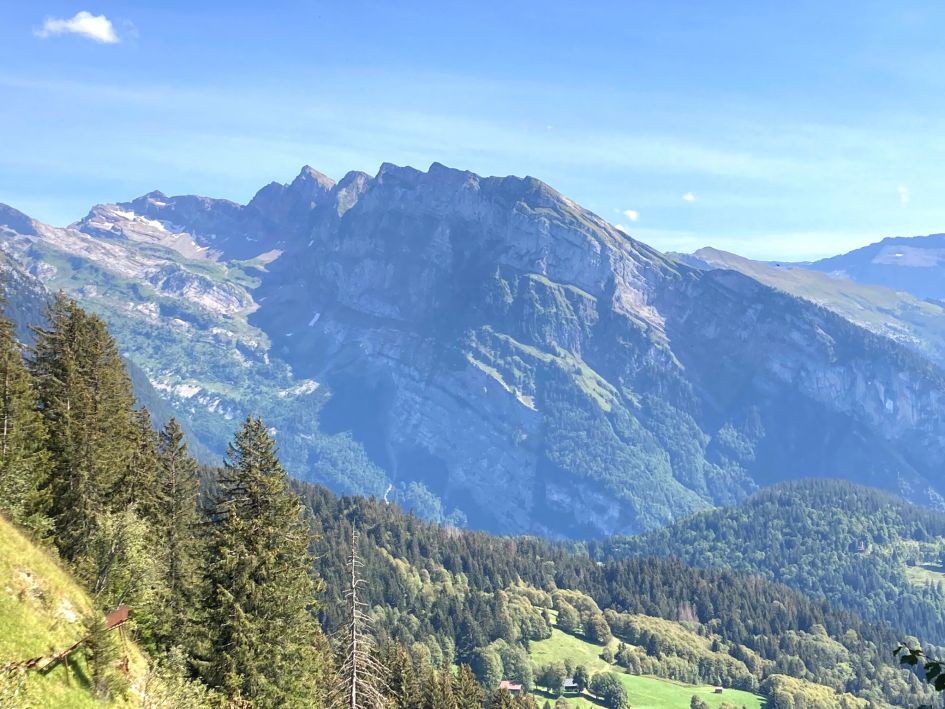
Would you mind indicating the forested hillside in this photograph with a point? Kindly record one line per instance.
(471, 596)
(856, 547)
(248, 590)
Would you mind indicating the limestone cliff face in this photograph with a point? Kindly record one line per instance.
(452, 307)
(541, 370)
(486, 347)
(846, 402)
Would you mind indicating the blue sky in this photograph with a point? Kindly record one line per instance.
(793, 130)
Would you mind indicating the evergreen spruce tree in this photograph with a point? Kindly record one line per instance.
(501, 699)
(175, 518)
(24, 460)
(403, 687)
(85, 397)
(262, 637)
(137, 485)
(468, 693)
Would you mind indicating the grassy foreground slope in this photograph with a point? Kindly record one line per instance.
(41, 613)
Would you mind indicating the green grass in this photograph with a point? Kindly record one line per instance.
(923, 573)
(41, 609)
(543, 279)
(656, 693)
(561, 645)
(645, 692)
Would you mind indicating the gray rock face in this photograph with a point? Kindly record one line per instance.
(15, 221)
(524, 344)
(486, 349)
(201, 227)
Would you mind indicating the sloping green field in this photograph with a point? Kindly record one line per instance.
(645, 692)
(41, 611)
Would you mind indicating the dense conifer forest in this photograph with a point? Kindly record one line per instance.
(247, 589)
(856, 547)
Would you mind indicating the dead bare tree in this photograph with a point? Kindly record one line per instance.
(360, 676)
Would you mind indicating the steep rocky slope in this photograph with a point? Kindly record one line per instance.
(486, 350)
(918, 324)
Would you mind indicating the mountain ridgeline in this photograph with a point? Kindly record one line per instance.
(488, 352)
(911, 264)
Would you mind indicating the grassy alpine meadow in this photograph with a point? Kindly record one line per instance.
(656, 693)
(646, 692)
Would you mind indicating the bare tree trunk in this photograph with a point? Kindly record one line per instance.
(361, 684)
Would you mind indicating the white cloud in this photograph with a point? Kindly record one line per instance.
(95, 27)
(631, 214)
(621, 227)
(903, 195)
(689, 197)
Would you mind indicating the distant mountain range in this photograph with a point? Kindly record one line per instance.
(915, 265)
(488, 352)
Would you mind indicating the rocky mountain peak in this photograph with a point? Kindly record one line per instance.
(349, 189)
(292, 203)
(309, 177)
(14, 219)
(155, 197)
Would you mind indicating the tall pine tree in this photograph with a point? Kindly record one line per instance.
(137, 485)
(24, 460)
(176, 519)
(262, 640)
(467, 690)
(86, 400)
(403, 687)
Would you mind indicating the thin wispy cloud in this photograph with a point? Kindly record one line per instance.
(631, 214)
(98, 28)
(903, 195)
(689, 197)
